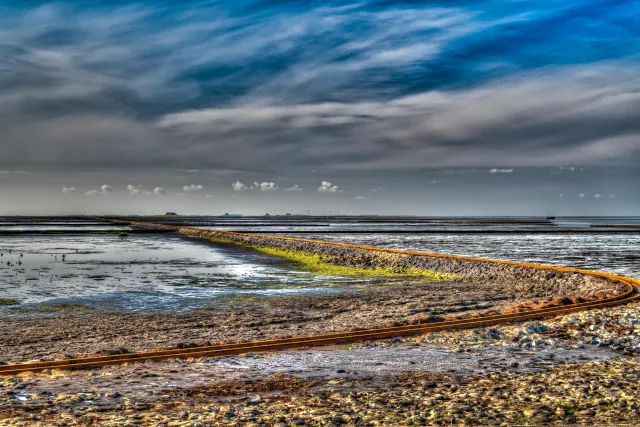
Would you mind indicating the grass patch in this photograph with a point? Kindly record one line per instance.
(326, 265)
(8, 301)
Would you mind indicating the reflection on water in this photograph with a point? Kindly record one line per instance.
(142, 272)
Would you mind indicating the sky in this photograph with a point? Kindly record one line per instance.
(373, 107)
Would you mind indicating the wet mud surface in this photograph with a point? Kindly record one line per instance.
(389, 301)
(55, 337)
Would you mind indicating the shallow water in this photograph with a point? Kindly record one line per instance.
(142, 272)
(163, 272)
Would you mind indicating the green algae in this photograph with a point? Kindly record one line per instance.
(8, 301)
(326, 265)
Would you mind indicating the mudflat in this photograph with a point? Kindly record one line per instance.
(388, 301)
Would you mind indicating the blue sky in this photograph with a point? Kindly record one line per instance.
(273, 90)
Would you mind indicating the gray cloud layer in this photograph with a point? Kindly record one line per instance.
(77, 92)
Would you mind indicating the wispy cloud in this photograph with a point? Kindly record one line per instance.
(255, 86)
(574, 114)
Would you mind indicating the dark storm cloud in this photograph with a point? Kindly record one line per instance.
(265, 86)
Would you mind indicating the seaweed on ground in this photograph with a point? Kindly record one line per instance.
(328, 265)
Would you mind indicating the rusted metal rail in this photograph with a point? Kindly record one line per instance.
(631, 293)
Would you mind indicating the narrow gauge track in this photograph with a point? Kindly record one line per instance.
(631, 293)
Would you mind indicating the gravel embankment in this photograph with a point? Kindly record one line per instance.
(519, 278)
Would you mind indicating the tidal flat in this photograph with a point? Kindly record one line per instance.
(164, 291)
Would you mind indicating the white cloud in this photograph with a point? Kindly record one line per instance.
(582, 195)
(294, 188)
(68, 190)
(103, 191)
(159, 191)
(494, 171)
(376, 189)
(238, 186)
(268, 186)
(133, 190)
(192, 188)
(265, 186)
(193, 171)
(359, 198)
(328, 187)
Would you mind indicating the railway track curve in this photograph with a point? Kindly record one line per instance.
(630, 294)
